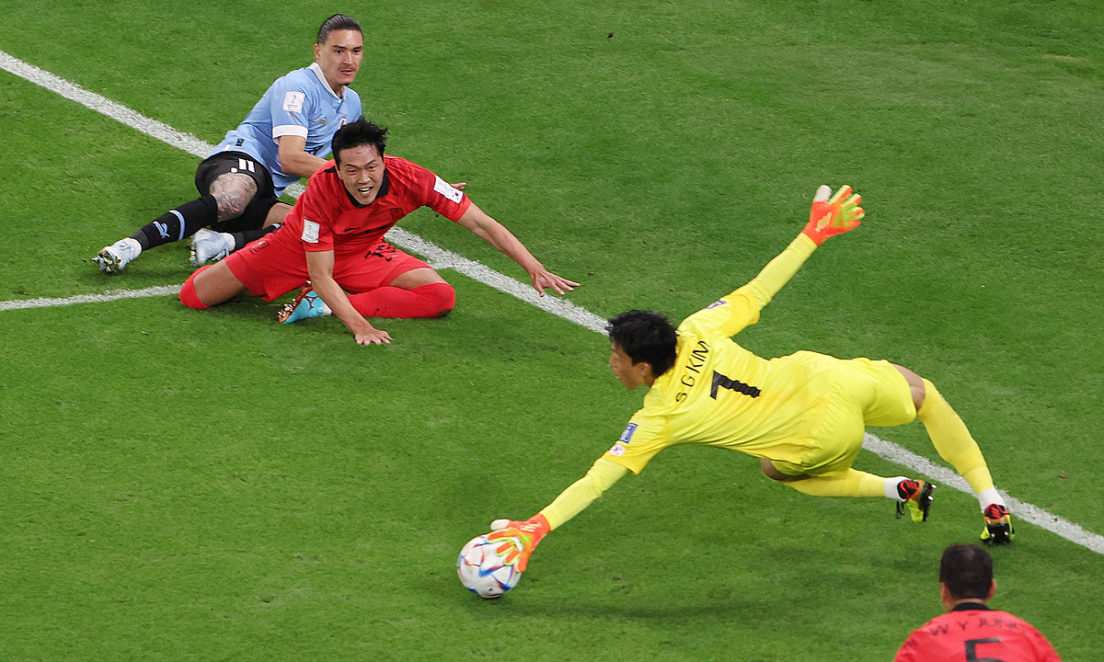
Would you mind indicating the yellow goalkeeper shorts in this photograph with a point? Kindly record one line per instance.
(863, 392)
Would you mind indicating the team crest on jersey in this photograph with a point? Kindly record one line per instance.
(310, 231)
(293, 102)
(626, 436)
(617, 450)
(718, 302)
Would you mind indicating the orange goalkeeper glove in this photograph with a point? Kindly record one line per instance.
(519, 539)
(833, 216)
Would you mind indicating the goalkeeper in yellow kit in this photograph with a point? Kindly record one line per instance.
(802, 415)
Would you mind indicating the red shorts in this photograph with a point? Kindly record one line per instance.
(271, 269)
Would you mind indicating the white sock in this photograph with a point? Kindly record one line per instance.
(990, 496)
(891, 487)
(134, 245)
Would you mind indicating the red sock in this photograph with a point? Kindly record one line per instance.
(188, 295)
(432, 300)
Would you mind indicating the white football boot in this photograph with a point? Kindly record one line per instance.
(207, 245)
(114, 258)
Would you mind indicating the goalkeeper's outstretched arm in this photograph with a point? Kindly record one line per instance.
(580, 494)
(827, 217)
(600, 477)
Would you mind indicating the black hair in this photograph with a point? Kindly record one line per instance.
(966, 571)
(336, 22)
(645, 336)
(355, 134)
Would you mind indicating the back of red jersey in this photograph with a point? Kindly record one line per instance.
(980, 635)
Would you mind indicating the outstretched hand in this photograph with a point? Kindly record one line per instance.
(546, 279)
(835, 215)
(519, 539)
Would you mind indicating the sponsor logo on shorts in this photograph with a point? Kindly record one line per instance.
(447, 190)
(626, 436)
(293, 102)
(310, 231)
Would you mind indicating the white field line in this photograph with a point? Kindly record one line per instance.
(944, 477)
(115, 111)
(110, 295)
(444, 259)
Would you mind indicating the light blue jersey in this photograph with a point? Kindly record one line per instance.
(298, 104)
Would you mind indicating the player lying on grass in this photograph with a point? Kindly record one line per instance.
(334, 238)
(282, 139)
(802, 415)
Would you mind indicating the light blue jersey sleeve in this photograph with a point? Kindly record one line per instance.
(298, 104)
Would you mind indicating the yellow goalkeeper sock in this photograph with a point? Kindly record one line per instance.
(853, 483)
(952, 440)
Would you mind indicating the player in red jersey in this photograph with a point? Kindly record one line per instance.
(334, 238)
(971, 630)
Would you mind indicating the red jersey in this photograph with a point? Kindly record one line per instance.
(326, 218)
(972, 631)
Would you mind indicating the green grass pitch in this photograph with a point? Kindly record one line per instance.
(177, 485)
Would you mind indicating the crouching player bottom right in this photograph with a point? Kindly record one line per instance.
(802, 415)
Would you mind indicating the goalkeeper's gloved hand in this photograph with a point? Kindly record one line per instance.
(527, 534)
(833, 216)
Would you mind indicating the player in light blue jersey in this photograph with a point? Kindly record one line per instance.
(301, 104)
(283, 138)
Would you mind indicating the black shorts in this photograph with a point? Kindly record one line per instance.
(256, 211)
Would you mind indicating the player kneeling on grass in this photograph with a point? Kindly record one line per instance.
(334, 238)
(802, 415)
(282, 139)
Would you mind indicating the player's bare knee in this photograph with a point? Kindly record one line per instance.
(209, 286)
(276, 213)
(772, 472)
(233, 193)
(916, 385)
(230, 205)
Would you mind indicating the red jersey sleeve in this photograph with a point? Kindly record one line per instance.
(439, 195)
(314, 212)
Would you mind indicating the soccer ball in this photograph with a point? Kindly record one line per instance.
(483, 571)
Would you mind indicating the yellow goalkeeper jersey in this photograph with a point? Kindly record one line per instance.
(720, 394)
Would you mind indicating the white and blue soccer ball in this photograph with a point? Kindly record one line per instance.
(483, 571)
